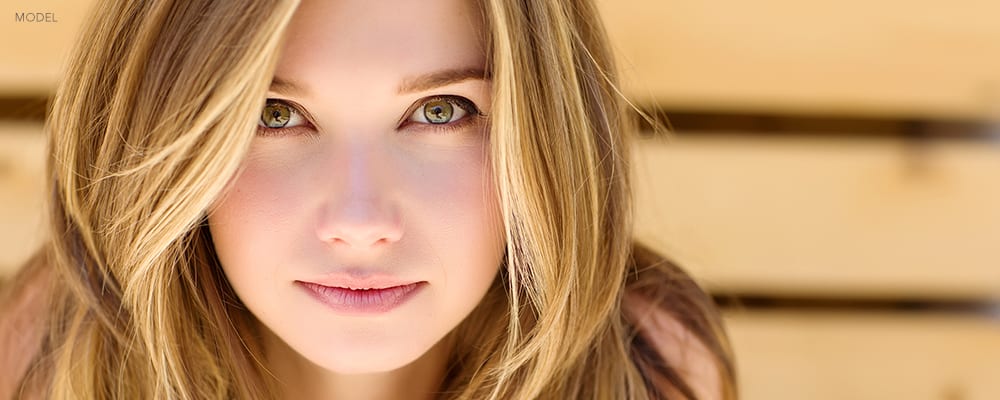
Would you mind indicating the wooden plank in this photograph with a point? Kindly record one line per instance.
(35, 52)
(22, 169)
(844, 57)
(784, 355)
(849, 57)
(794, 216)
(825, 217)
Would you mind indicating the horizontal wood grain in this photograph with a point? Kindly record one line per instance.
(22, 169)
(784, 355)
(35, 53)
(823, 216)
(787, 216)
(844, 58)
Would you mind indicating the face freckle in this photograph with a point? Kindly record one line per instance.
(366, 201)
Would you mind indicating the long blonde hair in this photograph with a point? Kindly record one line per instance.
(154, 117)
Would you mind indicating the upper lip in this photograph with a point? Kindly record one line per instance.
(358, 281)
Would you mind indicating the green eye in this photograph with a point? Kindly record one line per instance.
(443, 110)
(438, 111)
(275, 115)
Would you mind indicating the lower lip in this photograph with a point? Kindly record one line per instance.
(360, 302)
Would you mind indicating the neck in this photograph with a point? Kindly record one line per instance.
(299, 378)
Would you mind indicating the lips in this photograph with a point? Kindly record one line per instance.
(357, 280)
(359, 298)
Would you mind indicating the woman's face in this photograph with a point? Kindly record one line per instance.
(363, 227)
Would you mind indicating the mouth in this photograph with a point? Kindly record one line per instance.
(362, 298)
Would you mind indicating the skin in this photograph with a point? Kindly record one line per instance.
(352, 190)
(685, 352)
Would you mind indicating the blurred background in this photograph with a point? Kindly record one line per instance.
(831, 176)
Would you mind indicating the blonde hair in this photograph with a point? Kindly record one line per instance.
(155, 116)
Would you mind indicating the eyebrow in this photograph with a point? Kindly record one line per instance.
(286, 87)
(414, 84)
(441, 78)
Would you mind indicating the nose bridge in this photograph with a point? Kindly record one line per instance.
(358, 210)
(356, 157)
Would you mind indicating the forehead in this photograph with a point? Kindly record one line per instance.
(347, 40)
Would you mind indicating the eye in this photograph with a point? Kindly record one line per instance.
(441, 110)
(278, 114)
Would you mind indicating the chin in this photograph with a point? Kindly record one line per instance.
(367, 358)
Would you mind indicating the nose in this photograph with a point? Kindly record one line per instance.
(359, 211)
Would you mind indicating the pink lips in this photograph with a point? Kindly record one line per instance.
(362, 298)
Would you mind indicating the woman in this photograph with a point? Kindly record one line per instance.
(434, 203)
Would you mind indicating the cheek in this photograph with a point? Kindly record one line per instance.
(247, 221)
(460, 198)
(463, 218)
(261, 192)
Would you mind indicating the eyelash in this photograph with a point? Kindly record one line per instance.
(473, 114)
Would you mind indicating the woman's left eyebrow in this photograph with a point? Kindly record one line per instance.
(287, 87)
(441, 78)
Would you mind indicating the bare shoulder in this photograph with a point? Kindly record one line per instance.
(24, 301)
(681, 345)
(677, 345)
